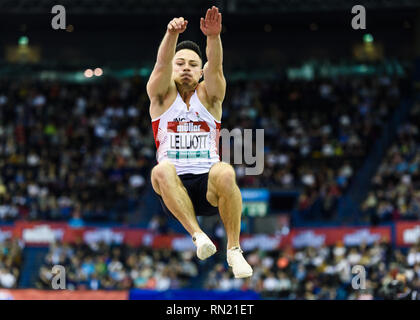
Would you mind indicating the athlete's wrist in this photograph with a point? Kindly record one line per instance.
(174, 34)
(213, 36)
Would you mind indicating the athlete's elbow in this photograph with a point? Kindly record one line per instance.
(216, 98)
(155, 94)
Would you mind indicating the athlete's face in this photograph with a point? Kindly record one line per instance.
(187, 69)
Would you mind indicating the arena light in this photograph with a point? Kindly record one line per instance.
(144, 72)
(23, 41)
(98, 72)
(88, 73)
(368, 38)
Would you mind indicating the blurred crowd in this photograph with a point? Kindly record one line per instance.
(328, 273)
(73, 151)
(395, 192)
(99, 266)
(320, 135)
(84, 152)
(11, 262)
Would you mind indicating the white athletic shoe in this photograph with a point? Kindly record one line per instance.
(240, 267)
(205, 247)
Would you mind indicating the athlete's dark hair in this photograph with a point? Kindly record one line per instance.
(191, 45)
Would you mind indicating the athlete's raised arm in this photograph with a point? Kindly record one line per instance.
(160, 78)
(214, 79)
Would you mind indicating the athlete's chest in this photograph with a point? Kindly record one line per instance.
(180, 113)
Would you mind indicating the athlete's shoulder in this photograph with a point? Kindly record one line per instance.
(203, 93)
(212, 106)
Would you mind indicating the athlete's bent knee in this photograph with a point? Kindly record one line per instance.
(224, 177)
(163, 175)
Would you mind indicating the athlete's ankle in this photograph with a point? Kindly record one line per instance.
(198, 233)
(233, 247)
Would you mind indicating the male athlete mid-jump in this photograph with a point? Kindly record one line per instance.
(189, 178)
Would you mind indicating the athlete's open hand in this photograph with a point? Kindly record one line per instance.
(212, 24)
(177, 25)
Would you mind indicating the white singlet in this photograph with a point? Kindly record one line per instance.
(187, 138)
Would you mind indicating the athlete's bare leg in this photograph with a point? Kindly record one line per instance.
(223, 192)
(169, 186)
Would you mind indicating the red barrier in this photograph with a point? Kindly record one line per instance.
(43, 233)
(349, 236)
(38, 233)
(34, 294)
(316, 237)
(407, 233)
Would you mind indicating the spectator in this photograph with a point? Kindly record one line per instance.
(119, 267)
(11, 259)
(394, 194)
(325, 273)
